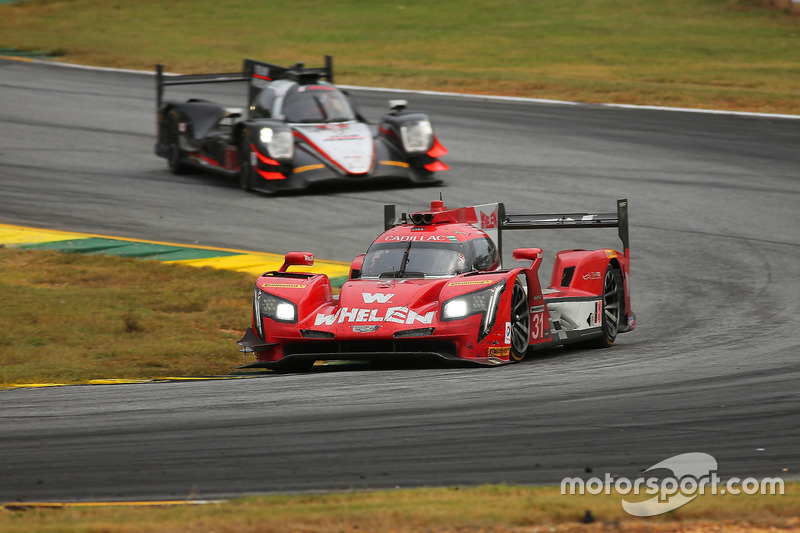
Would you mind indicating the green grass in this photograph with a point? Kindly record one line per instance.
(730, 54)
(69, 318)
(498, 508)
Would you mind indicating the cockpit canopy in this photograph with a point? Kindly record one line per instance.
(315, 103)
(421, 259)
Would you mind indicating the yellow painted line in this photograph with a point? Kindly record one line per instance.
(17, 58)
(122, 381)
(67, 235)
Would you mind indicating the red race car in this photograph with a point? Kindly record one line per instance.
(433, 285)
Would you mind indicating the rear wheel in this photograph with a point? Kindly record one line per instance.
(520, 322)
(174, 153)
(611, 308)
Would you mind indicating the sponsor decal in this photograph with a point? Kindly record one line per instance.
(488, 220)
(365, 329)
(611, 254)
(421, 238)
(398, 315)
(498, 352)
(593, 275)
(471, 282)
(282, 285)
(507, 339)
(344, 138)
(380, 298)
(598, 313)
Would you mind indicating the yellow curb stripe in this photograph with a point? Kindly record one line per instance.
(246, 261)
(15, 235)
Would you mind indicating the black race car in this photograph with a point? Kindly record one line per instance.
(296, 129)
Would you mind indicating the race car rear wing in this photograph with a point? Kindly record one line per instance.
(571, 220)
(493, 219)
(256, 72)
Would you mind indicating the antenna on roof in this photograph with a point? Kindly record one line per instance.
(440, 196)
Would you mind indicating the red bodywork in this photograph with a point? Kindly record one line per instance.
(467, 314)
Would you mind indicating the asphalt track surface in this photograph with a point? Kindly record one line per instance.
(713, 367)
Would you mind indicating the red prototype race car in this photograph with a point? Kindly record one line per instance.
(433, 285)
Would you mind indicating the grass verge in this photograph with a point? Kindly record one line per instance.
(496, 508)
(69, 318)
(725, 54)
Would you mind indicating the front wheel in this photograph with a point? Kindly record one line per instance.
(611, 308)
(519, 322)
(246, 172)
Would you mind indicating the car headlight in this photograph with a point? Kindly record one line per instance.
(266, 305)
(484, 301)
(417, 136)
(279, 143)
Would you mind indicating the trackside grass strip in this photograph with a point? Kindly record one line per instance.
(722, 54)
(500, 508)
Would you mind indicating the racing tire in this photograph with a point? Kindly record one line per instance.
(520, 323)
(174, 152)
(611, 308)
(246, 171)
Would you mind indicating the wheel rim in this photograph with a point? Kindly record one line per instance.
(520, 322)
(611, 305)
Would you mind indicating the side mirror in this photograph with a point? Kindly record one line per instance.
(355, 266)
(297, 258)
(529, 254)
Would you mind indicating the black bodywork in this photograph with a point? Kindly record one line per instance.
(270, 145)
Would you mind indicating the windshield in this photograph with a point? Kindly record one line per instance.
(413, 260)
(317, 103)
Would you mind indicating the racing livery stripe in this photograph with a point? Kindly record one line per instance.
(306, 168)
